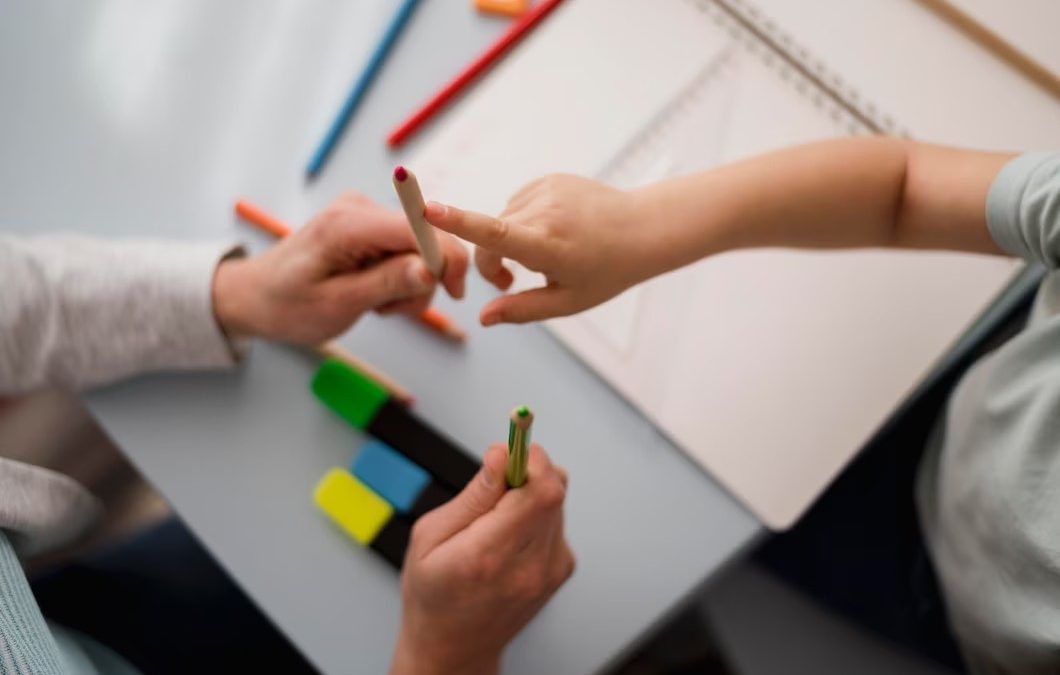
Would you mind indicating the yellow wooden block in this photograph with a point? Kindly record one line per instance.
(353, 506)
(506, 7)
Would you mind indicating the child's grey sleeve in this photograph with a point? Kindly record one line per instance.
(1023, 208)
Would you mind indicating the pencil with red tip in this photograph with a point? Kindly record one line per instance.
(484, 62)
(411, 197)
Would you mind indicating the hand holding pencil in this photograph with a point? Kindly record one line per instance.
(431, 318)
(353, 257)
(483, 564)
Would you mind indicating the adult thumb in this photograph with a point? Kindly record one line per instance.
(476, 500)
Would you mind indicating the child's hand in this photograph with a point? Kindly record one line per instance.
(585, 237)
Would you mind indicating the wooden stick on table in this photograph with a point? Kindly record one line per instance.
(993, 42)
(333, 350)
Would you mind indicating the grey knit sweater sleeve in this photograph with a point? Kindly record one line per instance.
(78, 312)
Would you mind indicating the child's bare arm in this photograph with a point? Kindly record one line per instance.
(592, 242)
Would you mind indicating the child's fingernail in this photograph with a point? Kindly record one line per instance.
(435, 210)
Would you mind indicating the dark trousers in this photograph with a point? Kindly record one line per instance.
(860, 550)
(161, 601)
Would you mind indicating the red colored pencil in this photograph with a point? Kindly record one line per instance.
(518, 31)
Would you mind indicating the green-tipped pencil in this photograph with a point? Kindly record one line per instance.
(518, 445)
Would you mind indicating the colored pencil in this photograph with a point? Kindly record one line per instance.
(261, 220)
(999, 46)
(519, 29)
(503, 7)
(519, 425)
(440, 323)
(361, 87)
(431, 318)
(411, 197)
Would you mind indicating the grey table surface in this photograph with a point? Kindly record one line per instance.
(126, 118)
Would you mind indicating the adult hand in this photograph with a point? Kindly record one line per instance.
(352, 257)
(588, 239)
(480, 567)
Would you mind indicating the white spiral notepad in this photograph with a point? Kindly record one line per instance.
(769, 368)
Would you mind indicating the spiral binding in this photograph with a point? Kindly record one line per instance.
(757, 34)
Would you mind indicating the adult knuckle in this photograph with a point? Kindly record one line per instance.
(482, 568)
(327, 221)
(550, 494)
(530, 583)
(551, 180)
(571, 564)
(390, 284)
(339, 306)
(354, 197)
(421, 529)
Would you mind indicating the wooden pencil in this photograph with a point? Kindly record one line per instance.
(333, 350)
(994, 43)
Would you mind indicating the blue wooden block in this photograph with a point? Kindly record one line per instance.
(390, 474)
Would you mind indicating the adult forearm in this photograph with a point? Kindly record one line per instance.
(872, 192)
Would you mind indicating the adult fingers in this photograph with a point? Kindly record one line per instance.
(395, 279)
(524, 519)
(350, 231)
(411, 307)
(474, 501)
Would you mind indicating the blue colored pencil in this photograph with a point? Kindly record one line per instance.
(360, 88)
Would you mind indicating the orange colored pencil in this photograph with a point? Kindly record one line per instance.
(261, 220)
(440, 323)
(430, 318)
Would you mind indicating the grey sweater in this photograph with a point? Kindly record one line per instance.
(79, 312)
